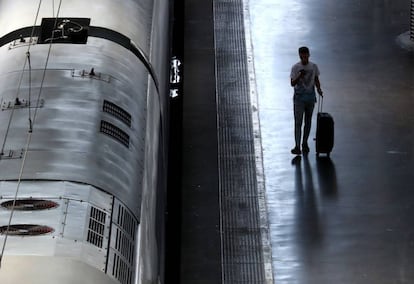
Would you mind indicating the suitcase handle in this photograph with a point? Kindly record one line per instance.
(320, 104)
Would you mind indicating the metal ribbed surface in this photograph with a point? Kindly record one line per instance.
(412, 21)
(240, 219)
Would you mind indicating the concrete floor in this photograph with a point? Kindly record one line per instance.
(347, 219)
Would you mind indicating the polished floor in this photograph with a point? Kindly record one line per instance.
(348, 219)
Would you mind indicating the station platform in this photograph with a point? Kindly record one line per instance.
(250, 211)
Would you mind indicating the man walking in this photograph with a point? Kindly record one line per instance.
(304, 77)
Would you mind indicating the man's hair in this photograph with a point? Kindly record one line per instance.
(303, 49)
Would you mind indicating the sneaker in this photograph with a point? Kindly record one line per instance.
(296, 151)
(305, 148)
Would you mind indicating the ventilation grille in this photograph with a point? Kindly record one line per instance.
(96, 227)
(412, 21)
(29, 204)
(25, 230)
(126, 221)
(117, 112)
(123, 244)
(121, 270)
(115, 132)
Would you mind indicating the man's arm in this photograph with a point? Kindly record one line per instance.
(318, 85)
(293, 82)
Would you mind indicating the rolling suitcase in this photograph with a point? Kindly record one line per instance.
(324, 131)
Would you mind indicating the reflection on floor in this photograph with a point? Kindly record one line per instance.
(347, 219)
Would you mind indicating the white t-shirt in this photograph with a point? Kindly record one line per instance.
(306, 84)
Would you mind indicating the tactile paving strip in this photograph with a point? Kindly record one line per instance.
(242, 251)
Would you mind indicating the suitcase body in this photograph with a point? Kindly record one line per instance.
(324, 133)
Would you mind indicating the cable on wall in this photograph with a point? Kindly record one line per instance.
(32, 122)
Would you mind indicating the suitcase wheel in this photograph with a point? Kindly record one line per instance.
(327, 154)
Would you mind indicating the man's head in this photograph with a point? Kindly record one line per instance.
(304, 54)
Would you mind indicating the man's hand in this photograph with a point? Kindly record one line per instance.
(320, 92)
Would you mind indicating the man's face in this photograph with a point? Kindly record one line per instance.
(304, 57)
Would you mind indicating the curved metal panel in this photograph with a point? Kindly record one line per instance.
(67, 142)
(80, 223)
(159, 42)
(50, 270)
(22, 37)
(131, 18)
(147, 238)
(85, 129)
